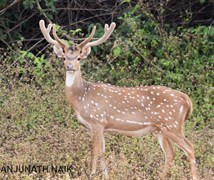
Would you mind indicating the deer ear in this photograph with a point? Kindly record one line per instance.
(85, 52)
(59, 51)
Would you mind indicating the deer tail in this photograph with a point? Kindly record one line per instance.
(190, 108)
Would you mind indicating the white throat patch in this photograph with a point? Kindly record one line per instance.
(69, 78)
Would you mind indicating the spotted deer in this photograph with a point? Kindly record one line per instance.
(132, 111)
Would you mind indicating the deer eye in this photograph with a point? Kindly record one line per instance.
(78, 58)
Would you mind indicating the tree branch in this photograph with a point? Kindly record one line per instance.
(9, 6)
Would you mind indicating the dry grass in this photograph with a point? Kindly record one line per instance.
(38, 127)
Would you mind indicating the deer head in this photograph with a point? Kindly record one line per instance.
(73, 55)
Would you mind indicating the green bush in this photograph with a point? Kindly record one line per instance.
(179, 58)
(38, 125)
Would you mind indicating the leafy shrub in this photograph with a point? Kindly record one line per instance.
(37, 120)
(142, 54)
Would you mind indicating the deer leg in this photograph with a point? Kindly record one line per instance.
(98, 149)
(102, 161)
(169, 152)
(191, 156)
(188, 149)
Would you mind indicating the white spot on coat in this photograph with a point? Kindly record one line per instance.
(181, 109)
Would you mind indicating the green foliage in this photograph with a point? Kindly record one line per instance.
(99, 32)
(35, 115)
(3, 3)
(19, 15)
(40, 64)
(181, 59)
(29, 4)
(117, 51)
(75, 31)
(202, 1)
(126, 1)
(50, 4)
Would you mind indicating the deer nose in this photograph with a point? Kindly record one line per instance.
(69, 67)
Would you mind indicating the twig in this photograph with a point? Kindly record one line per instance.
(43, 12)
(92, 17)
(9, 6)
(19, 24)
(6, 44)
(21, 57)
(83, 9)
(145, 57)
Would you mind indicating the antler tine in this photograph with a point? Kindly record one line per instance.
(46, 32)
(108, 32)
(61, 43)
(81, 45)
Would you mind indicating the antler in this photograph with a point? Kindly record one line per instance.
(58, 44)
(61, 43)
(81, 45)
(86, 45)
(46, 32)
(108, 31)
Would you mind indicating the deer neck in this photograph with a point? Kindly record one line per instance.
(75, 87)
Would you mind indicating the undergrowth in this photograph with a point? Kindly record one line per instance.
(38, 125)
